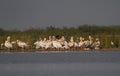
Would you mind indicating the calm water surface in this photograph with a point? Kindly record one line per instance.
(60, 64)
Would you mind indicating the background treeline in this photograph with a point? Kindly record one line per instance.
(106, 34)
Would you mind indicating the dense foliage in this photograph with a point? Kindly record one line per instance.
(106, 34)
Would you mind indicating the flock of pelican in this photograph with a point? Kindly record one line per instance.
(56, 43)
(9, 44)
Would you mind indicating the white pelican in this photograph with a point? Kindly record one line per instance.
(91, 40)
(97, 44)
(21, 44)
(86, 45)
(71, 42)
(76, 44)
(63, 42)
(81, 43)
(2, 44)
(65, 45)
(48, 44)
(8, 44)
(56, 44)
(37, 44)
(41, 43)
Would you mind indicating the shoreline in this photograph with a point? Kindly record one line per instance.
(69, 50)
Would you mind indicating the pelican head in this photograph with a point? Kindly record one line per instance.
(8, 38)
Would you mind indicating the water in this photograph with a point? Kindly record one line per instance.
(60, 64)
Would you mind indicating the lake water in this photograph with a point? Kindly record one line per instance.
(60, 64)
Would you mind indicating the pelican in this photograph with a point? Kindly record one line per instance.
(57, 44)
(63, 42)
(2, 44)
(91, 40)
(76, 44)
(65, 45)
(41, 43)
(37, 44)
(48, 43)
(8, 44)
(96, 44)
(86, 45)
(71, 42)
(21, 44)
(81, 43)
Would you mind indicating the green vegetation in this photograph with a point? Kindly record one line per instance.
(106, 34)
